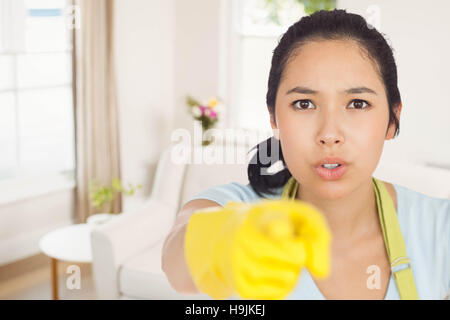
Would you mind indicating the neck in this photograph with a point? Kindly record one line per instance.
(350, 217)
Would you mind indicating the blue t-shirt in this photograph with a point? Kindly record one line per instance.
(425, 225)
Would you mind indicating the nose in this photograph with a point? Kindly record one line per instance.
(330, 140)
(330, 135)
(330, 124)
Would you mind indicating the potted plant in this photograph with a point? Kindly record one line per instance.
(103, 196)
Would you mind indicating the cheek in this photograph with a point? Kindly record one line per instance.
(367, 139)
(365, 133)
(297, 142)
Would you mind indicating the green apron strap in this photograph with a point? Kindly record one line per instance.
(395, 244)
(290, 189)
(392, 235)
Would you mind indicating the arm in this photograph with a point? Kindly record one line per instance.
(173, 259)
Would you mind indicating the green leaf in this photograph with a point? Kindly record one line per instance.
(104, 195)
(312, 6)
(191, 101)
(116, 184)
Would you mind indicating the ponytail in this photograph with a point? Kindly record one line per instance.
(258, 169)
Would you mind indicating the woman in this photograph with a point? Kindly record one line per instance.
(333, 99)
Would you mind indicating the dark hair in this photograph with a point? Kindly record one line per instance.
(322, 25)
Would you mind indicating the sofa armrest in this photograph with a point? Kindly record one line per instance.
(123, 237)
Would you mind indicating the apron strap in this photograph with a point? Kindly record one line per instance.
(290, 189)
(392, 235)
(395, 244)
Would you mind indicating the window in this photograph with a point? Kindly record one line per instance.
(257, 27)
(36, 95)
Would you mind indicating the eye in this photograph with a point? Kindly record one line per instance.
(359, 104)
(302, 104)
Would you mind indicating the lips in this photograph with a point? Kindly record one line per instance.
(331, 174)
(331, 160)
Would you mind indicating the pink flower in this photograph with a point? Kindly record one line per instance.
(212, 114)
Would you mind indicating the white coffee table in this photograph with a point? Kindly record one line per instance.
(71, 243)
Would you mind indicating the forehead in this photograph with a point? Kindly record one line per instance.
(331, 65)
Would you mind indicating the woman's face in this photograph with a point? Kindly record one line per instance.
(324, 117)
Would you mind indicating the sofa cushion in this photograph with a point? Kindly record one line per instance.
(141, 277)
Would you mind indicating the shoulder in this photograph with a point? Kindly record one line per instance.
(427, 215)
(232, 191)
(425, 224)
(422, 208)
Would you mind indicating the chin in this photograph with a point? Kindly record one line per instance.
(332, 190)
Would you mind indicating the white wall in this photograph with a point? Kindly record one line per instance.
(419, 34)
(164, 50)
(196, 53)
(144, 47)
(24, 222)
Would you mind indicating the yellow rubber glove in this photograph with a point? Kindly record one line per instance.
(257, 249)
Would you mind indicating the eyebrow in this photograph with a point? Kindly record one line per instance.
(306, 90)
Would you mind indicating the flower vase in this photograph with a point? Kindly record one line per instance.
(205, 139)
(206, 142)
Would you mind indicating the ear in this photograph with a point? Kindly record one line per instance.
(391, 130)
(273, 124)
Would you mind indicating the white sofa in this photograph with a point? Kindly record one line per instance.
(127, 250)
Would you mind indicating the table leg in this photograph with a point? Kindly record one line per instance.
(54, 272)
